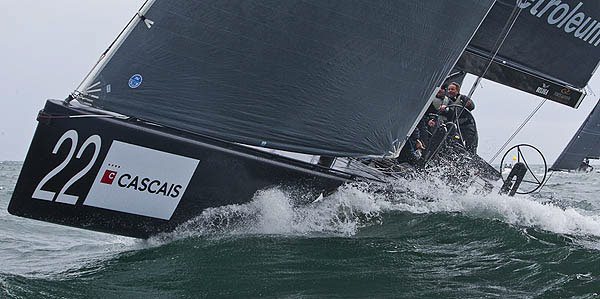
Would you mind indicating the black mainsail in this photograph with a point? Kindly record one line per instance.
(338, 78)
(552, 50)
(584, 144)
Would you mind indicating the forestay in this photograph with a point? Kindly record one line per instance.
(340, 77)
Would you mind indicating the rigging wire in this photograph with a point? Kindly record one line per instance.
(138, 14)
(81, 116)
(517, 131)
(544, 182)
(507, 28)
(106, 51)
(510, 23)
(501, 39)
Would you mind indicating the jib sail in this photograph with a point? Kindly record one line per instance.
(342, 77)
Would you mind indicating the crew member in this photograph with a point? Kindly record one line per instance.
(439, 100)
(433, 118)
(585, 166)
(455, 111)
(412, 150)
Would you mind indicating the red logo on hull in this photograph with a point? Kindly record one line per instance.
(108, 177)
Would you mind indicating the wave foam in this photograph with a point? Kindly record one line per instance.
(518, 210)
(274, 211)
(356, 205)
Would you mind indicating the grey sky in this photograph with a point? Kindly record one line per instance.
(49, 46)
(47, 49)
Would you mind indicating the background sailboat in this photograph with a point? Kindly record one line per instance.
(585, 144)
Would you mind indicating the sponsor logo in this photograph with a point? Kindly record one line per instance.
(149, 185)
(108, 177)
(135, 81)
(141, 181)
(543, 89)
(572, 20)
(562, 96)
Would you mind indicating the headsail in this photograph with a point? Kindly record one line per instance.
(551, 51)
(342, 78)
(585, 143)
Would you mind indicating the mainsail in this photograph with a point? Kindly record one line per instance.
(584, 144)
(340, 78)
(551, 51)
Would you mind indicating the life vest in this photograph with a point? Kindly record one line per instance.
(458, 100)
(437, 102)
(466, 118)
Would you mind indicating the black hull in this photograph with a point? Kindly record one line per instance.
(152, 180)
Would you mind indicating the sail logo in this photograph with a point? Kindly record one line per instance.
(135, 81)
(108, 177)
(561, 15)
(141, 181)
(544, 89)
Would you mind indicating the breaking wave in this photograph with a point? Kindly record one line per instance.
(357, 205)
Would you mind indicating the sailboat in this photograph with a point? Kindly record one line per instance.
(584, 145)
(199, 104)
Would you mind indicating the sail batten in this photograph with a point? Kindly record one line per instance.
(340, 78)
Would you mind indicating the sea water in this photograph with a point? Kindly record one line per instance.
(417, 238)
